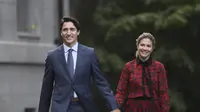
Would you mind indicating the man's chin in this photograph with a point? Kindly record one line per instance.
(68, 42)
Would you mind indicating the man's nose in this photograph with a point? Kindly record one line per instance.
(68, 32)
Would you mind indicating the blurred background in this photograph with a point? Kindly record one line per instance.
(29, 28)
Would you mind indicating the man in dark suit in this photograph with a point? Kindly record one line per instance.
(68, 71)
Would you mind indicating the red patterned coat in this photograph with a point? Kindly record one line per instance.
(131, 81)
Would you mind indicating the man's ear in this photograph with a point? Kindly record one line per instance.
(78, 32)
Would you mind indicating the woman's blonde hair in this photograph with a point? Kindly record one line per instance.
(142, 36)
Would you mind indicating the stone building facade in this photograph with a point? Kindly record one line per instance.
(27, 31)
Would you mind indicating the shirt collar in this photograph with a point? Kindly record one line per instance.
(75, 47)
(145, 63)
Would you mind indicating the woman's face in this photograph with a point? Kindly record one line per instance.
(145, 48)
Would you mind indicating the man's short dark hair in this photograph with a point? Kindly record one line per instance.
(70, 19)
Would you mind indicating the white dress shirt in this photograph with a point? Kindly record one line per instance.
(74, 54)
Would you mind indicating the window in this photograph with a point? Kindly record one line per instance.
(28, 18)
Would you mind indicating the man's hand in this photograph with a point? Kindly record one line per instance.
(116, 110)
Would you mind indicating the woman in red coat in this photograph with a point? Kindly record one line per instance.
(143, 83)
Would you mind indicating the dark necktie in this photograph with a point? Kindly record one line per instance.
(70, 63)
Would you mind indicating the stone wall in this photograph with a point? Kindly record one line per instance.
(27, 31)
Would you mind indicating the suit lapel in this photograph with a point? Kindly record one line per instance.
(79, 58)
(62, 60)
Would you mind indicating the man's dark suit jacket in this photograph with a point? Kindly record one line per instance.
(58, 86)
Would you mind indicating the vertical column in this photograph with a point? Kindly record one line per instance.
(8, 20)
(66, 7)
(1, 23)
(49, 16)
